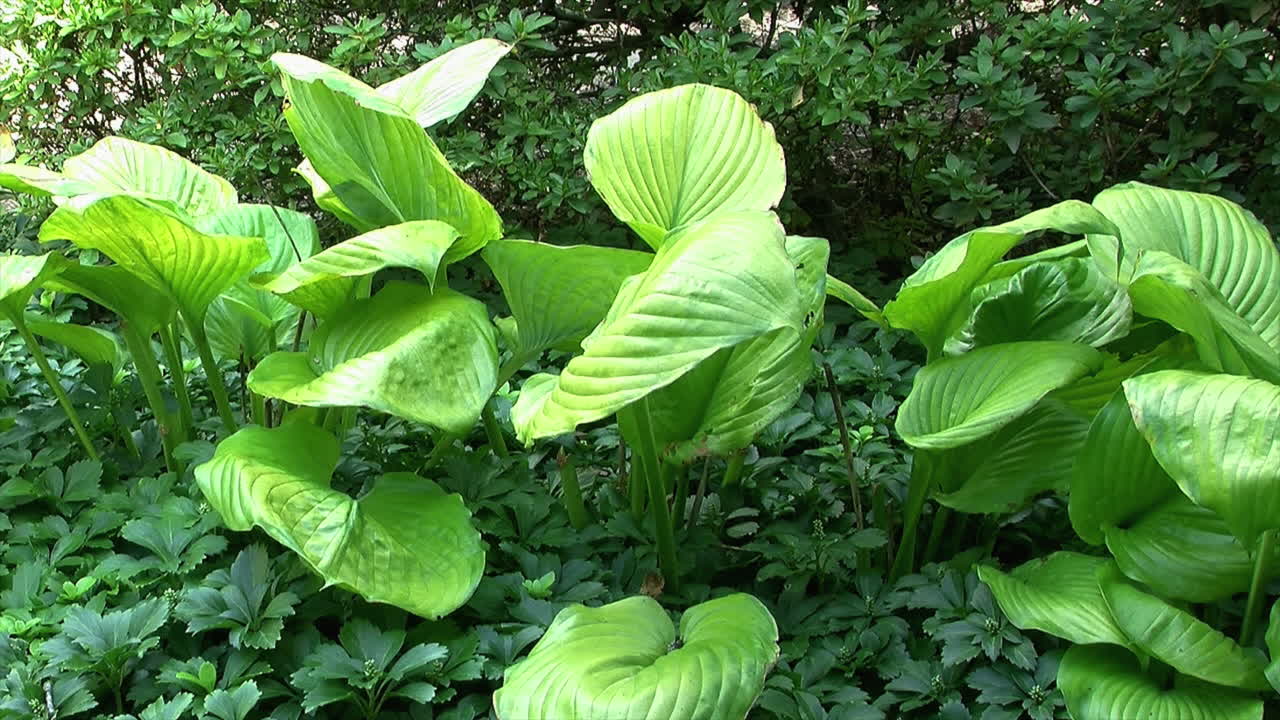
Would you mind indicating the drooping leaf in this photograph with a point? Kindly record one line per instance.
(1058, 594)
(406, 543)
(445, 86)
(624, 660)
(677, 156)
(559, 294)
(712, 286)
(158, 247)
(1178, 639)
(1099, 683)
(423, 356)
(326, 281)
(1216, 437)
(118, 290)
(375, 157)
(849, 295)
(21, 275)
(958, 400)
(94, 345)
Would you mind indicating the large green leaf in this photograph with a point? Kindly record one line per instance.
(1116, 478)
(1220, 239)
(21, 276)
(424, 356)
(958, 400)
(1216, 437)
(444, 87)
(94, 345)
(1099, 683)
(559, 294)
(849, 295)
(324, 282)
(624, 661)
(1058, 594)
(676, 156)
(934, 302)
(1273, 646)
(406, 543)
(1069, 300)
(1178, 639)
(1181, 551)
(117, 165)
(118, 290)
(375, 157)
(713, 286)
(158, 247)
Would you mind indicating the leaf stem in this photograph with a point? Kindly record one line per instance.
(213, 374)
(655, 473)
(699, 494)
(733, 471)
(173, 357)
(1257, 586)
(579, 517)
(55, 383)
(144, 364)
(681, 498)
(838, 405)
(444, 441)
(511, 367)
(493, 431)
(921, 484)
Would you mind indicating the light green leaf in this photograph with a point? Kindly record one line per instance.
(677, 156)
(1068, 300)
(406, 543)
(21, 275)
(713, 286)
(325, 198)
(324, 282)
(375, 157)
(624, 661)
(1273, 647)
(1178, 639)
(158, 247)
(118, 290)
(958, 400)
(1216, 437)
(427, 357)
(1099, 683)
(7, 149)
(445, 86)
(95, 345)
(559, 294)
(849, 295)
(1058, 594)
(40, 182)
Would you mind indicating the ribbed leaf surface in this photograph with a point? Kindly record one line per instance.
(1058, 594)
(446, 85)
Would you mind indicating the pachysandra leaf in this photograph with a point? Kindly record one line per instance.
(1178, 639)
(1216, 437)
(1099, 683)
(958, 400)
(559, 294)
(1060, 595)
(624, 661)
(445, 86)
(406, 543)
(326, 281)
(375, 157)
(677, 156)
(712, 286)
(158, 247)
(423, 356)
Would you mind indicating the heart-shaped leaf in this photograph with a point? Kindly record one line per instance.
(677, 156)
(624, 661)
(406, 543)
(424, 356)
(1099, 683)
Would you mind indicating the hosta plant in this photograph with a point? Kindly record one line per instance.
(1136, 370)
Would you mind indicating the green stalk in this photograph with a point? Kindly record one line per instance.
(578, 515)
(1253, 608)
(443, 443)
(681, 498)
(511, 367)
(699, 494)
(144, 364)
(733, 471)
(213, 374)
(126, 437)
(493, 431)
(259, 408)
(656, 475)
(838, 405)
(918, 490)
(940, 521)
(173, 357)
(880, 507)
(54, 383)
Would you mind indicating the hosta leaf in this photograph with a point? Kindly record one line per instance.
(849, 295)
(1069, 300)
(714, 285)
(559, 294)
(95, 345)
(933, 302)
(118, 165)
(158, 247)
(118, 290)
(960, 399)
(1116, 478)
(624, 661)
(406, 543)
(375, 157)
(1216, 437)
(1182, 551)
(676, 156)
(423, 356)
(1220, 239)
(1273, 647)
(21, 275)
(1099, 683)
(1058, 594)
(446, 85)
(324, 282)
(1178, 639)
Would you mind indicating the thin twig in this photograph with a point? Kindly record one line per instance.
(837, 404)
